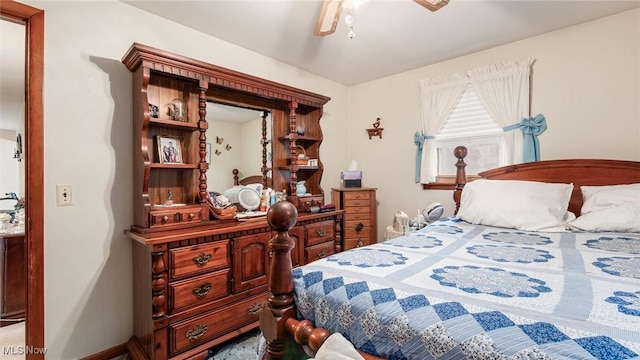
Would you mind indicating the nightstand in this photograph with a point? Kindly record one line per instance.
(359, 222)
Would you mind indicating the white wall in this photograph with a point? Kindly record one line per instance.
(88, 287)
(585, 81)
(88, 137)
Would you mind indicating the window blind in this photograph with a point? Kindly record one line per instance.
(468, 119)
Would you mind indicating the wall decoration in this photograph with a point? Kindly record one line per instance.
(376, 130)
(169, 150)
(218, 152)
(228, 147)
(219, 140)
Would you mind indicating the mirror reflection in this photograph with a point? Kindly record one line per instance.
(234, 141)
(13, 271)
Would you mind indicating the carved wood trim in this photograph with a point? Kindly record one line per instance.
(159, 60)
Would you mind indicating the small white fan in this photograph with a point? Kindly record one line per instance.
(433, 212)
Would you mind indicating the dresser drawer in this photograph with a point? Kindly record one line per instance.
(355, 243)
(357, 228)
(193, 332)
(318, 252)
(199, 289)
(357, 216)
(356, 195)
(356, 202)
(305, 202)
(320, 232)
(356, 210)
(196, 259)
(165, 217)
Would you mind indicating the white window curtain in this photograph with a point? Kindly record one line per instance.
(504, 91)
(439, 96)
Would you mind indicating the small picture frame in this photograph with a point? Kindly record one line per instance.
(207, 157)
(169, 149)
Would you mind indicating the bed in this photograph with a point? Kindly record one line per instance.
(558, 282)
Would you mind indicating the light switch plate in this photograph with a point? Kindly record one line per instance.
(63, 195)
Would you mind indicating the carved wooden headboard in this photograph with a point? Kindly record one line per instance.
(254, 179)
(590, 172)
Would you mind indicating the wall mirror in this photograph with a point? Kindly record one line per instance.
(13, 269)
(236, 139)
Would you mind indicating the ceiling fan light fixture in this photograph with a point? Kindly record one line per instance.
(432, 5)
(329, 17)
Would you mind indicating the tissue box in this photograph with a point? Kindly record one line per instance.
(351, 178)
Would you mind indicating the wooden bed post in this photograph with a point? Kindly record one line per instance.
(282, 216)
(460, 152)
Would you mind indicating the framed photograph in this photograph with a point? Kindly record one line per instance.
(169, 150)
(208, 155)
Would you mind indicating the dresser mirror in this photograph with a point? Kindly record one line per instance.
(238, 137)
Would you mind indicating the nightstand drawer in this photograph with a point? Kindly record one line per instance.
(356, 195)
(356, 202)
(350, 210)
(357, 228)
(354, 243)
(320, 232)
(357, 216)
(196, 259)
(200, 289)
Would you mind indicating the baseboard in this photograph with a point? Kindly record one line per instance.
(111, 353)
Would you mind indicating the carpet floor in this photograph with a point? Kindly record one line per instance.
(244, 347)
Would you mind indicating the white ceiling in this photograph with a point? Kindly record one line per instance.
(392, 36)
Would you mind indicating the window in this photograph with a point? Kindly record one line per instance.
(483, 109)
(468, 124)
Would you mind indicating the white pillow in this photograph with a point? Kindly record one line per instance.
(609, 208)
(232, 193)
(517, 204)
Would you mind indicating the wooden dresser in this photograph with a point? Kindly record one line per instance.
(201, 280)
(196, 288)
(359, 223)
(13, 278)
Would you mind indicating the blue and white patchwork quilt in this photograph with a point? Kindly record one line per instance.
(459, 291)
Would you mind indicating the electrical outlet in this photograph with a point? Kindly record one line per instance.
(63, 195)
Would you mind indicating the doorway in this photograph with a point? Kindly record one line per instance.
(33, 157)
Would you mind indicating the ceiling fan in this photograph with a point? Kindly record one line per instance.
(331, 9)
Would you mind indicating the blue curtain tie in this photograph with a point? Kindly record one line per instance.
(531, 127)
(511, 127)
(418, 138)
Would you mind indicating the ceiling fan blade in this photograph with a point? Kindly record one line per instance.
(329, 16)
(432, 5)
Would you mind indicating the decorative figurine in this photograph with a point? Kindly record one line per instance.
(169, 200)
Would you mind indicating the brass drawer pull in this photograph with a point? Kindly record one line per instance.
(359, 227)
(255, 309)
(165, 218)
(197, 332)
(322, 254)
(191, 216)
(270, 253)
(359, 243)
(321, 232)
(202, 290)
(202, 259)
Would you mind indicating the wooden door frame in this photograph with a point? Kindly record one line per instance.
(33, 19)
